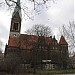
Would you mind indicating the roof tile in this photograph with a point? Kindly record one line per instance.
(63, 41)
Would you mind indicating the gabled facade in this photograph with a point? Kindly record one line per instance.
(33, 49)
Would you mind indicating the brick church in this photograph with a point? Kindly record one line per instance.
(34, 49)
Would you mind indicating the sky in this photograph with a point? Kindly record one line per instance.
(61, 12)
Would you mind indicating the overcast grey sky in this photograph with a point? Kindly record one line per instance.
(58, 14)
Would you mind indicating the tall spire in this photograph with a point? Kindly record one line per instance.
(17, 9)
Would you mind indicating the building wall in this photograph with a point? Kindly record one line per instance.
(37, 53)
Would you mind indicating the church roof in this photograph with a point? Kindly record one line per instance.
(48, 40)
(63, 41)
(26, 41)
(13, 41)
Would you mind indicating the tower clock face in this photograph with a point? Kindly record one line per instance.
(14, 34)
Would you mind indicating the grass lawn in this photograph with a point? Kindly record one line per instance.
(47, 72)
(69, 71)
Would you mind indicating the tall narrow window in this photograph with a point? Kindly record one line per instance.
(15, 26)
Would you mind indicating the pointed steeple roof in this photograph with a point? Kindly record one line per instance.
(17, 9)
(63, 41)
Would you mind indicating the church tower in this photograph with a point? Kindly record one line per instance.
(15, 26)
(64, 52)
(16, 21)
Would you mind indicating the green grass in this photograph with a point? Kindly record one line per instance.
(48, 72)
(69, 71)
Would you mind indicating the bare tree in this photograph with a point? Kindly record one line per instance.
(36, 3)
(69, 33)
(38, 50)
(28, 6)
(10, 63)
(40, 30)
